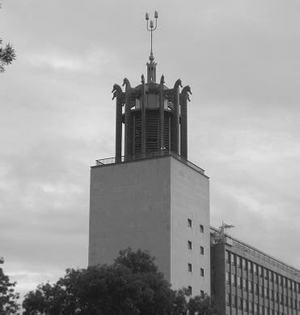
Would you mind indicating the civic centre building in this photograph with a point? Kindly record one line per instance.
(151, 197)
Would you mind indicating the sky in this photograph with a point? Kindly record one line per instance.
(241, 59)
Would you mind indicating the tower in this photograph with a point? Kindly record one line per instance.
(149, 196)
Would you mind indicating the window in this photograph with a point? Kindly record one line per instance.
(255, 308)
(284, 282)
(232, 259)
(256, 288)
(266, 293)
(201, 228)
(227, 256)
(254, 268)
(270, 275)
(190, 245)
(271, 295)
(228, 298)
(189, 221)
(249, 266)
(238, 261)
(240, 303)
(227, 277)
(190, 267)
(233, 300)
(266, 273)
(250, 289)
(244, 264)
(260, 271)
(245, 305)
(239, 281)
(202, 272)
(202, 293)
(201, 250)
(232, 279)
(190, 290)
(250, 307)
(244, 285)
(260, 290)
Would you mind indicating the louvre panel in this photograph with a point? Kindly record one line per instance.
(137, 134)
(152, 139)
(167, 129)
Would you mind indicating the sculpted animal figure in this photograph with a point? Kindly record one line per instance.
(185, 92)
(127, 84)
(177, 84)
(117, 91)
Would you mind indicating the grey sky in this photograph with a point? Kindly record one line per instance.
(241, 59)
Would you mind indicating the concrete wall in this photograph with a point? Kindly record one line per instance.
(189, 200)
(145, 205)
(130, 206)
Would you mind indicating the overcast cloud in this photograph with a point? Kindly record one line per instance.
(241, 59)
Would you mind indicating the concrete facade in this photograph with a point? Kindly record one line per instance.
(159, 204)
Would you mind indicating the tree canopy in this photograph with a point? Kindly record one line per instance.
(7, 54)
(8, 297)
(132, 285)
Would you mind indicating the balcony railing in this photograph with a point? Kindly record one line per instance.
(162, 153)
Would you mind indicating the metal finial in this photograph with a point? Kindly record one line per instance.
(151, 28)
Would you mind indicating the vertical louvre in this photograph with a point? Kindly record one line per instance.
(137, 133)
(152, 139)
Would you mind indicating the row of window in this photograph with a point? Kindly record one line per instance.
(190, 247)
(190, 289)
(190, 269)
(190, 224)
(249, 306)
(262, 272)
(257, 289)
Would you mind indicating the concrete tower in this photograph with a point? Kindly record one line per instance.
(150, 196)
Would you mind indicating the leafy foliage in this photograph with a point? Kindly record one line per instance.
(132, 285)
(8, 297)
(7, 54)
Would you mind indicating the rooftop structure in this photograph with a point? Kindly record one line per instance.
(154, 116)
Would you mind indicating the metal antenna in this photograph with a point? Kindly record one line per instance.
(151, 28)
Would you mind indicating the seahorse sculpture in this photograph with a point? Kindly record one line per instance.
(177, 84)
(127, 84)
(185, 92)
(117, 91)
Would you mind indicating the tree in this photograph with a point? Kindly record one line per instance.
(7, 54)
(132, 285)
(202, 305)
(8, 297)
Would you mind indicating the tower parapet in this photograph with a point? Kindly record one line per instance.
(154, 116)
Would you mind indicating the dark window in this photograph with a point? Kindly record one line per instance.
(201, 228)
(190, 267)
(202, 272)
(190, 245)
(201, 250)
(238, 261)
(189, 221)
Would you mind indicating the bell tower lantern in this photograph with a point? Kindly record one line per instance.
(151, 119)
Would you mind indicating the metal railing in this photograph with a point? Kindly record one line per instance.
(137, 157)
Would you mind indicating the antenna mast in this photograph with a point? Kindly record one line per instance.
(151, 28)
